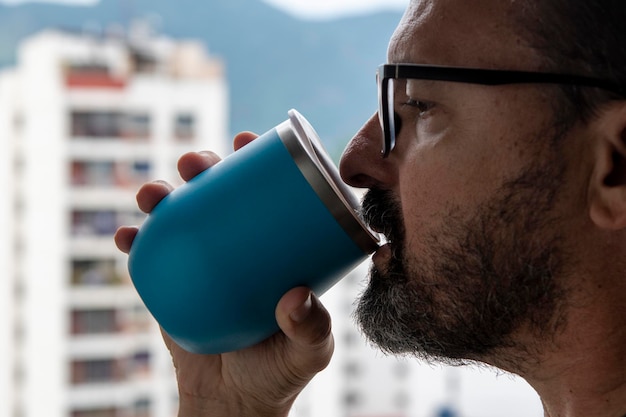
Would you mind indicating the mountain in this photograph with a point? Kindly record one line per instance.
(325, 69)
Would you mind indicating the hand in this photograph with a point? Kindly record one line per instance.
(259, 381)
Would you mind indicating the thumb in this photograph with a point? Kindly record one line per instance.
(306, 323)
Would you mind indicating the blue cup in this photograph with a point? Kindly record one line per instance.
(215, 256)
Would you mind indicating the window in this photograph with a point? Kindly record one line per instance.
(137, 319)
(140, 363)
(110, 173)
(102, 124)
(141, 407)
(135, 126)
(102, 222)
(95, 371)
(353, 369)
(94, 223)
(110, 124)
(184, 127)
(95, 412)
(94, 272)
(92, 173)
(352, 399)
(94, 321)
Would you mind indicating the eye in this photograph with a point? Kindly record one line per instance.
(421, 106)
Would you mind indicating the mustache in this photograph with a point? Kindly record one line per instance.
(381, 212)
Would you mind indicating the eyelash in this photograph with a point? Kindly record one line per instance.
(422, 106)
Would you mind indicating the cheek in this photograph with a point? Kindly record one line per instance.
(437, 182)
(461, 167)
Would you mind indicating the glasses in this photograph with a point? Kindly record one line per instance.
(388, 74)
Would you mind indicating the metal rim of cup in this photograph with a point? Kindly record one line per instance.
(308, 152)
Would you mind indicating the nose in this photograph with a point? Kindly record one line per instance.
(362, 164)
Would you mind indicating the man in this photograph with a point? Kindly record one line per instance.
(503, 199)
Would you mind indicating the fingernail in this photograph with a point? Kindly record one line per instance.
(207, 154)
(301, 313)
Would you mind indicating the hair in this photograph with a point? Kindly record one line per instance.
(580, 37)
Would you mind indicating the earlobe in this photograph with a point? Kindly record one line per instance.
(608, 187)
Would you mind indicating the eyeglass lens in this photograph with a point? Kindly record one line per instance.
(386, 114)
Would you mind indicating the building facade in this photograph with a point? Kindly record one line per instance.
(85, 120)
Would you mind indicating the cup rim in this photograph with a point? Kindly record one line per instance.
(309, 154)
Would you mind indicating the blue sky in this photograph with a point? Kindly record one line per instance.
(302, 8)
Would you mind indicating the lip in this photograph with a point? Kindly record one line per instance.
(382, 256)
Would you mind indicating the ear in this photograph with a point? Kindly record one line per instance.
(608, 183)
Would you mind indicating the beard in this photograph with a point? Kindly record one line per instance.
(482, 280)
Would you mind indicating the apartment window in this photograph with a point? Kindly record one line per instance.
(102, 222)
(141, 169)
(141, 407)
(94, 321)
(350, 338)
(353, 369)
(184, 127)
(135, 126)
(352, 399)
(110, 124)
(94, 222)
(96, 412)
(110, 173)
(96, 124)
(138, 319)
(95, 371)
(140, 363)
(94, 272)
(93, 173)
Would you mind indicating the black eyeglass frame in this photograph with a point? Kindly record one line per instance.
(481, 76)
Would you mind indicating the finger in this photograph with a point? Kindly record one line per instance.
(306, 323)
(193, 163)
(124, 237)
(242, 139)
(151, 193)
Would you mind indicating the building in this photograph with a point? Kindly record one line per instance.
(84, 121)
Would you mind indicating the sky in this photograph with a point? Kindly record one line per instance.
(333, 8)
(317, 9)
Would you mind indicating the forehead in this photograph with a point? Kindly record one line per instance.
(476, 33)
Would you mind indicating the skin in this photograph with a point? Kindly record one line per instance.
(458, 156)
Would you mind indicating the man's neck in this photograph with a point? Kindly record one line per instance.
(585, 374)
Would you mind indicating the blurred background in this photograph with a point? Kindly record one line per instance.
(98, 97)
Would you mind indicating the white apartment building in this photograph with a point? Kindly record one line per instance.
(84, 121)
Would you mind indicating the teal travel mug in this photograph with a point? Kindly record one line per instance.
(215, 256)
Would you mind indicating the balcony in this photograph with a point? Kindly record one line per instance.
(122, 400)
(92, 322)
(111, 370)
(101, 223)
(91, 75)
(92, 79)
(110, 124)
(110, 174)
(96, 273)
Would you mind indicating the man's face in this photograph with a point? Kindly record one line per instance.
(471, 199)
